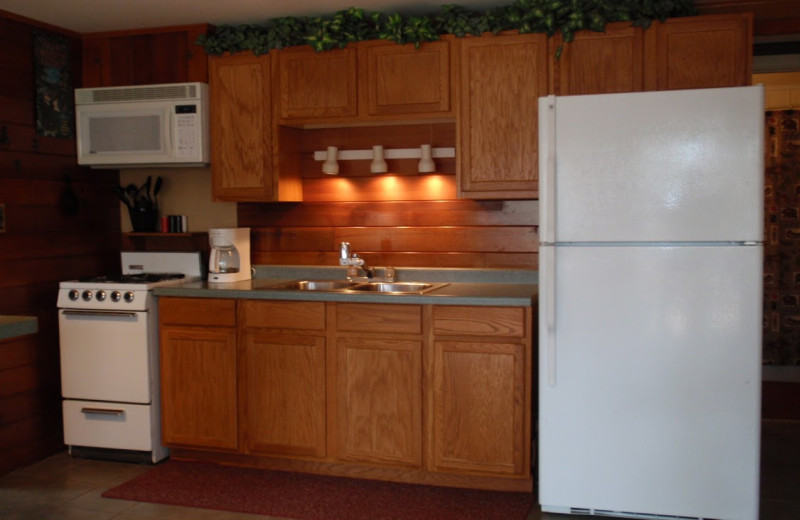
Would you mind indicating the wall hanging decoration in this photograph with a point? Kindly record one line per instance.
(54, 102)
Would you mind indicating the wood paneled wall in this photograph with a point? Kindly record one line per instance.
(43, 244)
(406, 233)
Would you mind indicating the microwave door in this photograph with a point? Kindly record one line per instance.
(109, 135)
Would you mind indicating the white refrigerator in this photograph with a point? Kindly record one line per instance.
(651, 224)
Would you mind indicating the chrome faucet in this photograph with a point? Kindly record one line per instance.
(354, 262)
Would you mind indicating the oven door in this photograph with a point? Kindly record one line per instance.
(106, 355)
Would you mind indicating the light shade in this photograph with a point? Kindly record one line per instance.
(331, 166)
(378, 163)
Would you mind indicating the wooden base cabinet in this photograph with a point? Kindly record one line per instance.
(199, 405)
(423, 394)
(283, 347)
(378, 376)
(480, 402)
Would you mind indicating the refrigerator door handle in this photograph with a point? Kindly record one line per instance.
(549, 260)
(547, 165)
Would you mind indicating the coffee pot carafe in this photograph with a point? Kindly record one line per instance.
(229, 257)
(224, 258)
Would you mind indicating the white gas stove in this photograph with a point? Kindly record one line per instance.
(130, 291)
(108, 335)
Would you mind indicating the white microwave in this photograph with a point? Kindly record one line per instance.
(138, 126)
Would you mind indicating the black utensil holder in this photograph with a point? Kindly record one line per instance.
(143, 220)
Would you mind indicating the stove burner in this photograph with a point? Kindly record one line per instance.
(134, 278)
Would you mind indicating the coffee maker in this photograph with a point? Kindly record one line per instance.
(229, 257)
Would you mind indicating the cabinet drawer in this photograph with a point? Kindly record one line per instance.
(209, 312)
(283, 314)
(507, 322)
(367, 317)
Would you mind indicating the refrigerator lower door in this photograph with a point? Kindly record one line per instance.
(652, 406)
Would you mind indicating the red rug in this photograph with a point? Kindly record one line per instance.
(315, 497)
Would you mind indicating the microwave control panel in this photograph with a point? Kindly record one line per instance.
(187, 131)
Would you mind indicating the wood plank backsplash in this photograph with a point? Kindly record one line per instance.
(402, 233)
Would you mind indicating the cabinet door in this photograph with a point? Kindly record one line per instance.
(599, 63)
(316, 85)
(379, 400)
(477, 407)
(241, 128)
(198, 386)
(403, 79)
(699, 52)
(502, 78)
(285, 393)
(480, 396)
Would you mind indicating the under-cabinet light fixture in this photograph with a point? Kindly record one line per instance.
(330, 166)
(426, 164)
(393, 153)
(378, 163)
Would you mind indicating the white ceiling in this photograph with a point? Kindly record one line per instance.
(86, 16)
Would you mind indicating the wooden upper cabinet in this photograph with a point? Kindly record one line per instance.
(142, 57)
(371, 80)
(403, 79)
(699, 52)
(599, 62)
(502, 78)
(241, 128)
(316, 85)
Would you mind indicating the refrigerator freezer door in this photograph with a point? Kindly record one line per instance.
(671, 166)
(655, 401)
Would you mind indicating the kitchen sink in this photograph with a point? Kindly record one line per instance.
(396, 287)
(314, 285)
(358, 287)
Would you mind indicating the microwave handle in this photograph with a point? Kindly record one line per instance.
(170, 130)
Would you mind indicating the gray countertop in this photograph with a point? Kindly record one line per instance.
(499, 287)
(14, 326)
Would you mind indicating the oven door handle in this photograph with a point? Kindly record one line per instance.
(70, 312)
(102, 411)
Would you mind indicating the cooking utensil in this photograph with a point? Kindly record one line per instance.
(123, 196)
(156, 189)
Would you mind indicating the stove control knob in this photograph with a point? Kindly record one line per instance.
(73, 294)
(87, 295)
(115, 296)
(100, 296)
(129, 296)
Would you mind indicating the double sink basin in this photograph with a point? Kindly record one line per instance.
(346, 286)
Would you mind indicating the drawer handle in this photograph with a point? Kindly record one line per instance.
(102, 411)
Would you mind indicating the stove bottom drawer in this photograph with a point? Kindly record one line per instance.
(109, 425)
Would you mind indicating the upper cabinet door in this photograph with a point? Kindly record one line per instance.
(241, 127)
(316, 85)
(699, 52)
(599, 62)
(403, 79)
(502, 78)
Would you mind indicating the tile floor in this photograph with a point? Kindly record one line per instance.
(65, 488)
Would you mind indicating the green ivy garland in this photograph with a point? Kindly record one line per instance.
(353, 24)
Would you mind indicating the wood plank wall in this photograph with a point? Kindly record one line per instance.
(407, 233)
(42, 245)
